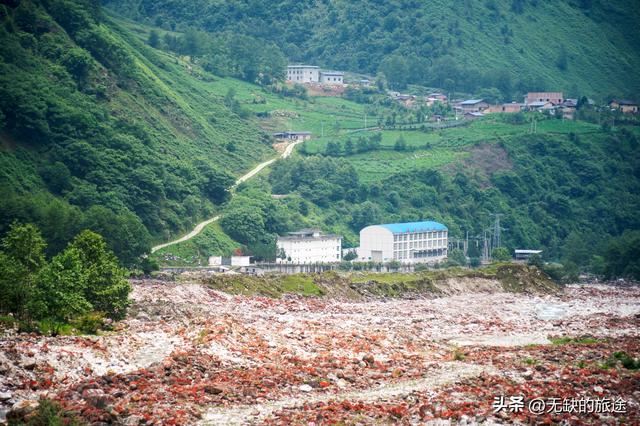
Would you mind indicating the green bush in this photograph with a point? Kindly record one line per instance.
(85, 277)
(48, 413)
(89, 323)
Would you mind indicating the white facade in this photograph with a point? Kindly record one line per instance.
(215, 260)
(415, 242)
(309, 246)
(303, 73)
(240, 260)
(332, 77)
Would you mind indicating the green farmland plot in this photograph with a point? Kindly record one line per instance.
(372, 167)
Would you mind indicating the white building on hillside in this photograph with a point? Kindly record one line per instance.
(309, 246)
(414, 242)
(332, 77)
(303, 73)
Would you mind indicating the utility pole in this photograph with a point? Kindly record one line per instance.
(365, 120)
(485, 246)
(466, 243)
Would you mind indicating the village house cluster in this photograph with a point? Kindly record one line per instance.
(533, 101)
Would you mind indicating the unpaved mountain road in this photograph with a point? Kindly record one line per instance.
(199, 227)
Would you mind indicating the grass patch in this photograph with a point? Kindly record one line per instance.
(627, 361)
(300, 284)
(271, 285)
(575, 341)
(458, 355)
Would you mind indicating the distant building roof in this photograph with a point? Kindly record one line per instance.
(291, 133)
(305, 231)
(624, 102)
(544, 95)
(338, 73)
(523, 251)
(302, 66)
(429, 225)
(308, 234)
(538, 103)
(475, 114)
(472, 101)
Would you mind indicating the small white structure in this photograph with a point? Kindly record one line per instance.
(525, 254)
(294, 136)
(332, 77)
(240, 260)
(309, 246)
(413, 242)
(303, 73)
(215, 260)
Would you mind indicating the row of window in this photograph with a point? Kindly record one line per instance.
(312, 258)
(298, 250)
(419, 244)
(419, 236)
(297, 72)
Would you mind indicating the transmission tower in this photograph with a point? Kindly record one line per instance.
(496, 230)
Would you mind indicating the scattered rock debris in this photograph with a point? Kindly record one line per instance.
(188, 354)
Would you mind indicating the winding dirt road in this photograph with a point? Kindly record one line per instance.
(199, 227)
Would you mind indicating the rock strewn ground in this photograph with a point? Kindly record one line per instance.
(189, 354)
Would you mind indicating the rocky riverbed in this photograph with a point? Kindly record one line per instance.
(188, 354)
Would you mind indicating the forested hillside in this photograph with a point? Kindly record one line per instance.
(584, 47)
(100, 131)
(134, 129)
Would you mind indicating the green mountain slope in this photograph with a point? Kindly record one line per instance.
(99, 130)
(585, 47)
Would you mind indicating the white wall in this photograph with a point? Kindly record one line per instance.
(330, 79)
(215, 260)
(303, 75)
(308, 250)
(375, 238)
(240, 260)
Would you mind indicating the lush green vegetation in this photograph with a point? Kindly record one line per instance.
(212, 241)
(485, 47)
(81, 284)
(551, 187)
(100, 131)
(48, 413)
(355, 285)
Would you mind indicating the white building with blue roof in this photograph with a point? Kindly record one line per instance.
(413, 242)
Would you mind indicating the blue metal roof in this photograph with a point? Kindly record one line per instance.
(429, 225)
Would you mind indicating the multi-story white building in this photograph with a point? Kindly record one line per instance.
(309, 246)
(414, 242)
(303, 73)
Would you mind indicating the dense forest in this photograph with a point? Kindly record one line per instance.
(512, 46)
(100, 131)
